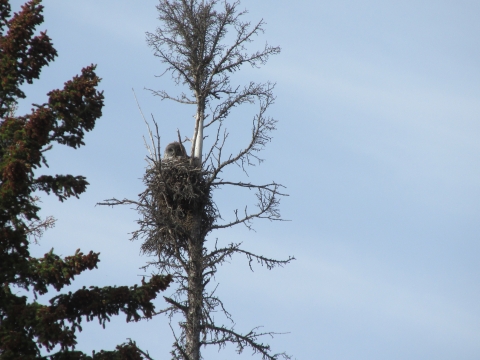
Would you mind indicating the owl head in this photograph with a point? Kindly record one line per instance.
(174, 150)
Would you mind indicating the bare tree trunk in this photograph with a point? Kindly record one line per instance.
(177, 207)
(197, 143)
(195, 291)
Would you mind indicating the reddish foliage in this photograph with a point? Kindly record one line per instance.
(70, 112)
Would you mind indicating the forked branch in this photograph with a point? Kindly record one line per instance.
(223, 335)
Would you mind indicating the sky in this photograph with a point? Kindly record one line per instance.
(377, 145)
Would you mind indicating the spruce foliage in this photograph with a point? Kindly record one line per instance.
(27, 326)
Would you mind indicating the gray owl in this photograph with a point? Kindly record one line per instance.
(174, 150)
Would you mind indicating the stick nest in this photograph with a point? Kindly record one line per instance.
(178, 207)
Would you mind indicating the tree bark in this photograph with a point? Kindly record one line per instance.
(192, 43)
(195, 291)
(197, 144)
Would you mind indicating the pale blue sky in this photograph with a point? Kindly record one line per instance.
(379, 110)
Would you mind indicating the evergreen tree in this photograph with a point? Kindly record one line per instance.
(26, 326)
(177, 208)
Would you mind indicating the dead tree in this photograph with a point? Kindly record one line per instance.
(177, 208)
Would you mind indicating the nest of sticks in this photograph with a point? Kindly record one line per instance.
(178, 207)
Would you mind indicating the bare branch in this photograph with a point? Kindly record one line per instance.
(235, 98)
(218, 256)
(152, 149)
(234, 58)
(36, 228)
(262, 260)
(223, 335)
(267, 203)
(261, 127)
(114, 202)
(182, 99)
(177, 210)
(176, 304)
(267, 187)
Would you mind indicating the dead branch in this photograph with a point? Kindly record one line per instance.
(36, 228)
(247, 95)
(267, 203)
(218, 256)
(267, 187)
(261, 127)
(177, 210)
(182, 98)
(223, 335)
